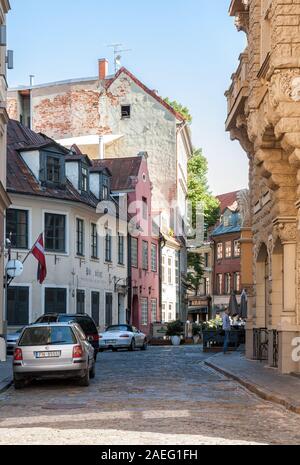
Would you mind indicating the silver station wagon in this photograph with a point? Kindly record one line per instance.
(50, 351)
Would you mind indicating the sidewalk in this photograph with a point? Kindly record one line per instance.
(266, 382)
(5, 374)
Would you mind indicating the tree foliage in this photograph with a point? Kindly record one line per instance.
(183, 111)
(196, 271)
(198, 189)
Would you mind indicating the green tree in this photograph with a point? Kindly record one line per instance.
(183, 111)
(196, 271)
(198, 189)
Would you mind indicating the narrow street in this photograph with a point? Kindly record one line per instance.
(162, 396)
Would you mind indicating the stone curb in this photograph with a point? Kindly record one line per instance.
(259, 391)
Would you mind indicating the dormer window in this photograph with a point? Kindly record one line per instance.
(52, 168)
(104, 187)
(84, 178)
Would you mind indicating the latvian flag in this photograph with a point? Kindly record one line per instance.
(38, 252)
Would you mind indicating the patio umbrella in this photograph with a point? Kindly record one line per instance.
(233, 305)
(244, 305)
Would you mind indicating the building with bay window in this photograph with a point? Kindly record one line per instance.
(54, 190)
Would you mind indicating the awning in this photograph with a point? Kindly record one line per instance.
(198, 311)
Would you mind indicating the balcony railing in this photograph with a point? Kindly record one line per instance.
(238, 92)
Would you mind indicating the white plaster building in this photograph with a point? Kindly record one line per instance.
(52, 190)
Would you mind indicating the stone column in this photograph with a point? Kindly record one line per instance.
(288, 329)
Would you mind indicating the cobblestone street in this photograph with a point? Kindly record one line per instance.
(162, 396)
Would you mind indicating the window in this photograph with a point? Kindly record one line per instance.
(121, 249)
(17, 306)
(80, 302)
(84, 179)
(125, 111)
(170, 313)
(94, 241)
(80, 237)
(163, 270)
(95, 299)
(153, 257)
(55, 300)
(177, 276)
(145, 256)
(55, 233)
(227, 219)
(144, 305)
(145, 209)
(237, 249)
(207, 286)
(227, 283)
(170, 273)
(108, 309)
(228, 249)
(134, 252)
(53, 167)
(108, 247)
(219, 284)
(206, 260)
(237, 282)
(17, 228)
(154, 310)
(163, 314)
(220, 251)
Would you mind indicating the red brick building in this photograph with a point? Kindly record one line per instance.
(227, 252)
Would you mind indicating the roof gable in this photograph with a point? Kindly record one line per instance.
(147, 90)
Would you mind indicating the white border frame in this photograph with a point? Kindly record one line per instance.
(55, 286)
(67, 237)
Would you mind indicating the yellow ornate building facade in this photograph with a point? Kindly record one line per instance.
(264, 115)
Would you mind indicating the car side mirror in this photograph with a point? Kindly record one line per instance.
(90, 339)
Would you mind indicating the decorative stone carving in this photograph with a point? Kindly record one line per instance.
(295, 92)
(287, 232)
(242, 21)
(243, 199)
(284, 86)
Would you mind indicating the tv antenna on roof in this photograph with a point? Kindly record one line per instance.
(117, 54)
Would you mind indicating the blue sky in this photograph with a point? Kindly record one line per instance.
(187, 50)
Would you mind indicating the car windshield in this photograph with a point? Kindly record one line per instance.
(40, 336)
(119, 328)
(87, 325)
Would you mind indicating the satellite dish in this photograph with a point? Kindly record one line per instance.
(14, 268)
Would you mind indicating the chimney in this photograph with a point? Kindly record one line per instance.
(103, 68)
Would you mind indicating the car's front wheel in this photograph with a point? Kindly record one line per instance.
(132, 346)
(145, 345)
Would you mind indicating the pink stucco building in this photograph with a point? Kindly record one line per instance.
(130, 180)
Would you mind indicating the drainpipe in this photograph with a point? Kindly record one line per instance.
(101, 148)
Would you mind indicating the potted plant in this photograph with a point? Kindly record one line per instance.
(174, 331)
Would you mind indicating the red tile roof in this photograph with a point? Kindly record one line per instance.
(147, 90)
(123, 171)
(20, 179)
(227, 200)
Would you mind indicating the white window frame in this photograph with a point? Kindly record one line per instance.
(47, 286)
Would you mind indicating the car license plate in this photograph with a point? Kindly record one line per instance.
(56, 354)
(110, 342)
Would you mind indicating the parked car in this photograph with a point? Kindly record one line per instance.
(55, 350)
(12, 340)
(86, 323)
(122, 337)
